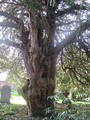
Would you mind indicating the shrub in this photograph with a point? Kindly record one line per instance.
(76, 113)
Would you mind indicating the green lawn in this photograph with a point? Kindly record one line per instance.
(80, 102)
(17, 99)
(14, 93)
(76, 102)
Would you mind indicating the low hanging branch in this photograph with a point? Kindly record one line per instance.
(11, 43)
(72, 38)
(19, 23)
(8, 24)
(10, 16)
(69, 10)
(16, 23)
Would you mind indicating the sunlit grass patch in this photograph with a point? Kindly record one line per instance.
(14, 93)
(17, 99)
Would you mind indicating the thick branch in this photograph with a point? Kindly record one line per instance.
(10, 16)
(13, 2)
(72, 38)
(69, 10)
(9, 24)
(11, 43)
(19, 23)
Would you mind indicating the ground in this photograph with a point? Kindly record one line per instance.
(12, 112)
(17, 110)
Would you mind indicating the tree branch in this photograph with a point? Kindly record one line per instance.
(8, 2)
(9, 24)
(72, 38)
(19, 24)
(10, 16)
(10, 43)
(69, 10)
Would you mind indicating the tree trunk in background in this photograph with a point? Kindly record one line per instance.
(40, 66)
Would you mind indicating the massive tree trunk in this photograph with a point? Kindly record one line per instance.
(38, 47)
(41, 88)
(40, 65)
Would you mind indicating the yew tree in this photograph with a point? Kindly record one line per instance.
(41, 30)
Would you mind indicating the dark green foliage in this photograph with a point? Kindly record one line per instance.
(33, 5)
(25, 2)
(66, 101)
(76, 113)
(7, 110)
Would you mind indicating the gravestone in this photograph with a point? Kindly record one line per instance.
(5, 94)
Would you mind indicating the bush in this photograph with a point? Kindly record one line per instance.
(8, 109)
(76, 113)
(66, 101)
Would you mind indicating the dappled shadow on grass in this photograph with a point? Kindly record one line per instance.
(17, 100)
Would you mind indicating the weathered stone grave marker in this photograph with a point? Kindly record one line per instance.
(5, 94)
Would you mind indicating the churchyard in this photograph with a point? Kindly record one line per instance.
(17, 109)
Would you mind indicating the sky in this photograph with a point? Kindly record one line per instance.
(3, 76)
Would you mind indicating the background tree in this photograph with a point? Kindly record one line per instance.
(12, 65)
(72, 72)
(41, 29)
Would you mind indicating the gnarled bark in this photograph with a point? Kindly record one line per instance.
(40, 66)
(41, 87)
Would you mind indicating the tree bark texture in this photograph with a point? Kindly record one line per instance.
(40, 65)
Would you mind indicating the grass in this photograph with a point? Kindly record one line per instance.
(80, 102)
(14, 93)
(17, 99)
(78, 111)
(77, 102)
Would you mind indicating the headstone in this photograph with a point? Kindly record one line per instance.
(5, 94)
